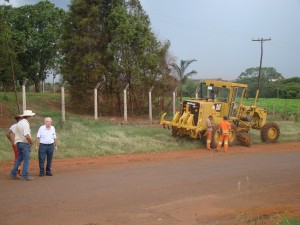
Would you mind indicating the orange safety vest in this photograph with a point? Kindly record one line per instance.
(225, 127)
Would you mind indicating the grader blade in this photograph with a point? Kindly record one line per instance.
(244, 139)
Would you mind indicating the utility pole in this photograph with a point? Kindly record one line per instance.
(261, 56)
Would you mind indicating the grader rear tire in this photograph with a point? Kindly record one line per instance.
(215, 139)
(270, 132)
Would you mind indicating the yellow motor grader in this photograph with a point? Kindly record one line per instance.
(219, 99)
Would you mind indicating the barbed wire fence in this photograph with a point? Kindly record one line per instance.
(152, 106)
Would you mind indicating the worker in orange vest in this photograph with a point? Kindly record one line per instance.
(224, 133)
(209, 129)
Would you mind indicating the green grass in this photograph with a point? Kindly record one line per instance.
(289, 131)
(275, 218)
(44, 104)
(287, 220)
(85, 137)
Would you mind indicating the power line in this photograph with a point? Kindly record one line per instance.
(261, 56)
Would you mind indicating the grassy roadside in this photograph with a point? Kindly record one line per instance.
(273, 218)
(87, 137)
(82, 136)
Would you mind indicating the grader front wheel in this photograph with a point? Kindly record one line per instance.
(232, 135)
(270, 132)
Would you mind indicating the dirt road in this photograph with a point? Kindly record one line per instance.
(176, 188)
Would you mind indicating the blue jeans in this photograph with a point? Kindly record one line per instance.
(45, 151)
(24, 150)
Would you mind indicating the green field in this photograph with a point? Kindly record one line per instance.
(284, 108)
(81, 135)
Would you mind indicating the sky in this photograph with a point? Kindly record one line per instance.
(219, 33)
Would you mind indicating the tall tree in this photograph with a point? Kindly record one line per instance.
(7, 47)
(269, 78)
(138, 56)
(37, 30)
(111, 42)
(182, 73)
(83, 48)
(7, 53)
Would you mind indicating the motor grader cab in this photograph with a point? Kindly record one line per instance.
(219, 99)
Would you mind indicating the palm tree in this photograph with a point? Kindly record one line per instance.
(182, 76)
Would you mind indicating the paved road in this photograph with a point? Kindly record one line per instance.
(218, 189)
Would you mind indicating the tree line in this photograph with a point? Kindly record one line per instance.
(29, 42)
(106, 41)
(101, 41)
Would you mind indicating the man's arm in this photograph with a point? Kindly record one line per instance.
(9, 136)
(55, 140)
(229, 126)
(209, 124)
(29, 139)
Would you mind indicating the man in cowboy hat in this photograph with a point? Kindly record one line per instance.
(24, 142)
(11, 137)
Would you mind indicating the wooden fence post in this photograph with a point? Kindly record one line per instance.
(150, 103)
(63, 111)
(96, 101)
(174, 100)
(125, 102)
(24, 94)
(196, 92)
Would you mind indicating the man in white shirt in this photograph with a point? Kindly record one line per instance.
(209, 129)
(46, 144)
(24, 142)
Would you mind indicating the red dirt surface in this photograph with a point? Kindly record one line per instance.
(224, 207)
(72, 163)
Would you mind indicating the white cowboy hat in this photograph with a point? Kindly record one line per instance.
(28, 113)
